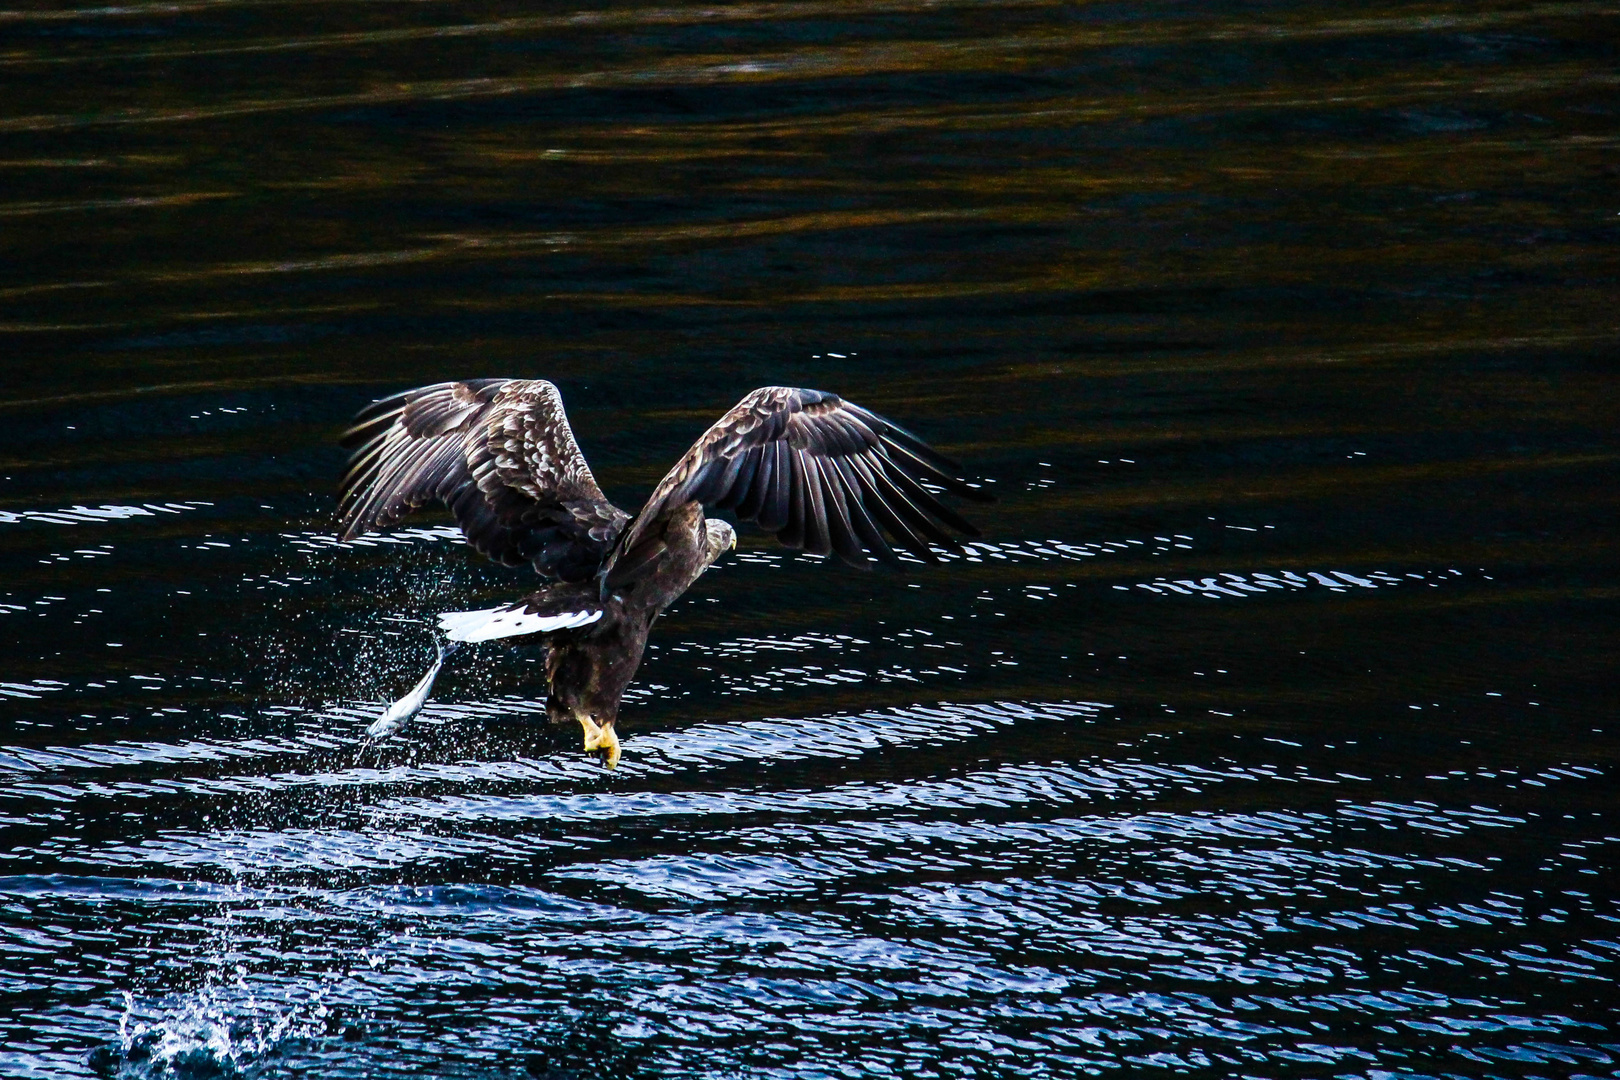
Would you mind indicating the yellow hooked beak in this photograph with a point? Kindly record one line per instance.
(733, 544)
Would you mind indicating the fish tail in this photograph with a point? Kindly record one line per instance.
(442, 649)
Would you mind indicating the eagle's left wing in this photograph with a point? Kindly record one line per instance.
(823, 474)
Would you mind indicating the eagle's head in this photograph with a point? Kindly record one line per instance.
(721, 538)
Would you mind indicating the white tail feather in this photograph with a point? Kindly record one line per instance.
(509, 621)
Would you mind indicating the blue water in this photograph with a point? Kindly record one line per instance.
(1268, 731)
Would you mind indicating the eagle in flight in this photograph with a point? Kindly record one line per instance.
(823, 474)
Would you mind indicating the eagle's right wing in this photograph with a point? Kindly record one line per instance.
(500, 454)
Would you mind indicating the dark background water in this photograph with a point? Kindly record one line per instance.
(1270, 730)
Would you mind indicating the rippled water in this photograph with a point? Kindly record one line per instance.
(1269, 731)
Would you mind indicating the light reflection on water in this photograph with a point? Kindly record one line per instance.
(1267, 731)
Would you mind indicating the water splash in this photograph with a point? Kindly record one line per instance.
(220, 1031)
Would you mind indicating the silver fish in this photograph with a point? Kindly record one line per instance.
(405, 709)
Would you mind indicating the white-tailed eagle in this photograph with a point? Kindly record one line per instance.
(823, 474)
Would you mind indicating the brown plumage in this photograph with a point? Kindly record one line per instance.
(823, 474)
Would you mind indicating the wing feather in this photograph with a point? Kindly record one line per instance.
(792, 534)
(817, 539)
(759, 484)
(924, 499)
(779, 501)
(865, 528)
(738, 480)
(903, 524)
(499, 453)
(916, 516)
(895, 434)
(821, 473)
(840, 530)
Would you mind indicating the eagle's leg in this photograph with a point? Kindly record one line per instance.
(601, 737)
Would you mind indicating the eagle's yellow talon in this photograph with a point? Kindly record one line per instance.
(609, 742)
(601, 738)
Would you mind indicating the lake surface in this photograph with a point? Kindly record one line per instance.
(1268, 731)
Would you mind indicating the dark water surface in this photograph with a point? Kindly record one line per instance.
(1269, 731)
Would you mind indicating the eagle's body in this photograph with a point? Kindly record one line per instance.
(588, 669)
(823, 474)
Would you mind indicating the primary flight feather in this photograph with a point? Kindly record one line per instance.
(823, 474)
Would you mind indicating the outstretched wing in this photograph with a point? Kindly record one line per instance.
(821, 473)
(500, 454)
